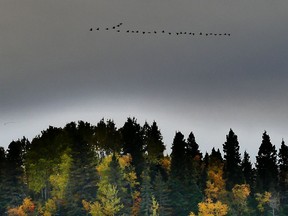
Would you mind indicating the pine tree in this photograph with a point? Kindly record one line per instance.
(266, 164)
(193, 158)
(116, 178)
(283, 175)
(146, 194)
(247, 170)
(2, 181)
(161, 192)
(132, 139)
(82, 177)
(14, 180)
(178, 156)
(155, 146)
(232, 169)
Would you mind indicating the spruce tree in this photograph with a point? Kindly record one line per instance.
(266, 164)
(132, 139)
(154, 144)
(193, 158)
(161, 192)
(146, 194)
(2, 180)
(14, 186)
(178, 156)
(82, 177)
(247, 170)
(283, 175)
(232, 169)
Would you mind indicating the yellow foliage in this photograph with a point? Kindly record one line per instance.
(192, 214)
(15, 212)
(86, 205)
(27, 208)
(241, 192)
(215, 187)
(50, 207)
(136, 203)
(209, 208)
(166, 162)
(263, 199)
(103, 167)
(125, 161)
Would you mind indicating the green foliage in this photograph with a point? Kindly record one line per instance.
(63, 167)
(108, 203)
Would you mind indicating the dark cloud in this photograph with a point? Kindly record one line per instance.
(54, 70)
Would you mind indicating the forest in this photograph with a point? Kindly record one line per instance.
(100, 170)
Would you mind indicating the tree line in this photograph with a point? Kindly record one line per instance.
(99, 170)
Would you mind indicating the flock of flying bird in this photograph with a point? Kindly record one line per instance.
(117, 29)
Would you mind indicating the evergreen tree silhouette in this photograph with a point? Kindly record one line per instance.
(232, 169)
(132, 139)
(283, 175)
(247, 170)
(83, 177)
(266, 164)
(178, 156)
(154, 144)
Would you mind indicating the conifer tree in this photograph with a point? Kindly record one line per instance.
(283, 175)
(2, 181)
(266, 164)
(146, 195)
(154, 146)
(14, 185)
(178, 155)
(132, 139)
(247, 170)
(161, 192)
(232, 169)
(193, 158)
(82, 177)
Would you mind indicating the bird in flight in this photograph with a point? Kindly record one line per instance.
(117, 29)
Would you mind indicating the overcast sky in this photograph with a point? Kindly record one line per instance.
(53, 70)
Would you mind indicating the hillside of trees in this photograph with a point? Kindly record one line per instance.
(100, 170)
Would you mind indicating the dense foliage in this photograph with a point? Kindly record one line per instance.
(100, 170)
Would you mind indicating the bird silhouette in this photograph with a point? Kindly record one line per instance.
(200, 33)
(169, 33)
(97, 29)
(163, 31)
(228, 34)
(155, 32)
(107, 28)
(118, 30)
(127, 31)
(91, 29)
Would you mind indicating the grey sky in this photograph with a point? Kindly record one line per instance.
(53, 70)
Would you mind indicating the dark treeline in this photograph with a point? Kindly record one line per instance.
(83, 169)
